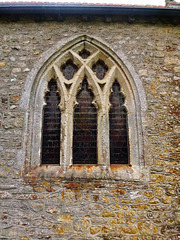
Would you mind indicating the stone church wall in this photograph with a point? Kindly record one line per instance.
(34, 208)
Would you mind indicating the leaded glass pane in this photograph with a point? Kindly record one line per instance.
(51, 126)
(85, 128)
(118, 127)
(84, 54)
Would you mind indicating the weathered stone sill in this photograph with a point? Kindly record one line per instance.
(116, 172)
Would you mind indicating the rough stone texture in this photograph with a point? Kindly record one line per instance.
(32, 209)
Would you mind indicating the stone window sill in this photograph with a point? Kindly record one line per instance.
(114, 172)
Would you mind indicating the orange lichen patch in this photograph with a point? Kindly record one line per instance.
(106, 199)
(66, 218)
(33, 175)
(125, 207)
(97, 185)
(170, 48)
(71, 185)
(126, 201)
(115, 221)
(58, 229)
(108, 214)
(45, 183)
(28, 196)
(82, 185)
(175, 109)
(38, 189)
(121, 185)
(36, 53)
(50, 189)
(2, 64)
(4, 217)
(146, 227)
(78, 196)
(95, 229)
(154, 201)
(153, 87)
(63, 196)
(120, 191)
(130, 221)
(148, 194)
(15, 98)
(53, 210)
(157, 178)
(131, 213)
(127, 230)
(105, 229)
(120, 215)
(88, 168)
(167, 200)
(142, 206)
(96, 198)
(34, 196)
(115, 167)
(85, 224)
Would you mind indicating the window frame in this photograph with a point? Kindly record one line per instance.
(135, 103)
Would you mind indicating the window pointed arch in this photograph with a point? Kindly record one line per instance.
(85, 53)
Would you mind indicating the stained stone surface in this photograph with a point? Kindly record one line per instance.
(48, 206)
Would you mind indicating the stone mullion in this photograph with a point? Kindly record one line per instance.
(66, 137)
(103, 122)
(103, 137)
(66, 123)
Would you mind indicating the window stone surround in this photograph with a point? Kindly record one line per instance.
(32, 103)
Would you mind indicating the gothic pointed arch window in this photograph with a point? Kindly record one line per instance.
(86, 111)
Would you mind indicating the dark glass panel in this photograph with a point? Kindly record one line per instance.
(69, 69)
(119, 150)
(85, 128)
(100, 68)
(51, 126)
(84, 54)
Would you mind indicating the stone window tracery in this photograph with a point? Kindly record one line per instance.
(86, 73)
(86, 81)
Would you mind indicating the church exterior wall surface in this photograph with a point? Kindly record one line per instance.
(37, 204)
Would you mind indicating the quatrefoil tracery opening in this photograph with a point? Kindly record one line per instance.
(69, 69)
(100, 68)
(86, 60)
